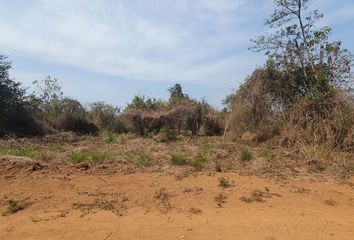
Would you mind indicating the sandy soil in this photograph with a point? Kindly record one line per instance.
(64, 206)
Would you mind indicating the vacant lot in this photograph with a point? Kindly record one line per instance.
(67, 187)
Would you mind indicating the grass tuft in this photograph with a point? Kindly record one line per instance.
(178, 160)
(144, 159)
(199, 161)
(246, 154)
(91, 156)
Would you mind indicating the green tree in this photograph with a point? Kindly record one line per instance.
(297, 47)
(15, 109)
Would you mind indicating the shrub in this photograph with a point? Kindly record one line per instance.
(15, 108)
(168, 135)
(103, 115)
(213, 125)
(246, 154)
(199, 161)
(77, 125)
(178, 160)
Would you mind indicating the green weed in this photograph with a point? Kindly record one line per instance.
(178, 160)
(144, 159)
(246, 154)
(90, 156)
(199, 161)
(19, 151)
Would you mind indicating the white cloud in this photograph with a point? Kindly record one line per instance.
(200, 41)
(196, 41)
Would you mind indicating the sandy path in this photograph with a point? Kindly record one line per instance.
(154, 206)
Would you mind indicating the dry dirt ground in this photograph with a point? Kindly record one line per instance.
(105, 202)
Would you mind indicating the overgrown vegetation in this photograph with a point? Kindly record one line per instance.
(300, 98)
(301, 93)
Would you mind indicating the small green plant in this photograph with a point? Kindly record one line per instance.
(246, 154)
(110, 138)
(224, 182)
(90, 156)
(178, 160)
(199, 161)
(144, 159)
(114, 138)
(78, 157)
(19, 151)
(267, 154)
(168, 135)
(98, 157)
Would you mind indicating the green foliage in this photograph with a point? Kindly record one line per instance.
(90, 156)
(179, 160)
(246, 154)
(113, 138)
(144, 159)
(15, 108)
(303, 54)
(19, 151)
(199, 161)
(145, 104)
(168, 135)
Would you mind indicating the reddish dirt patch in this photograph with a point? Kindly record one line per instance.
(157, 206)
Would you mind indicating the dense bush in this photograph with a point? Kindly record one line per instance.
(15, 108)
(300, 93)
(104, 116)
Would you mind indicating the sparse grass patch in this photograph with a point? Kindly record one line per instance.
(246, 154)
(91, 156)
(178, 160)
(113, 138)
(168, 135)
(144, 159)
(199, 161)
(267, 154)
(19, 151)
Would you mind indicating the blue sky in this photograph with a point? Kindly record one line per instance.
(111, 50)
